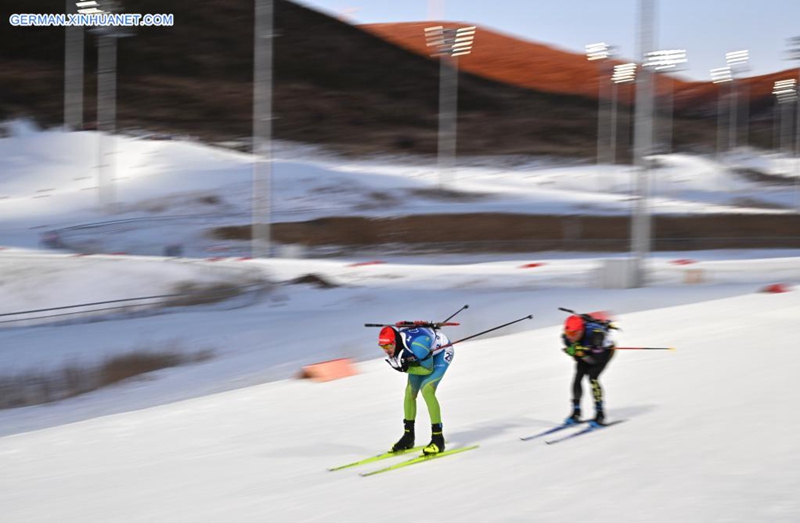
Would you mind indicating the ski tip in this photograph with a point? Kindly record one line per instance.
(672, 348)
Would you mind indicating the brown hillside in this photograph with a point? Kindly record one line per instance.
(510, 60)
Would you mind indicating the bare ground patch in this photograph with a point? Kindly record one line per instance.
(496, 232)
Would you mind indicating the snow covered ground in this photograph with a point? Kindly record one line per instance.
(235, 439)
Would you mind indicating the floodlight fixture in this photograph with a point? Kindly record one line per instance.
(89, 7)
(794, 48)
(736, 58)
(598, 51)
(721, 75)
(449, 41)
(785, 90)
(665, 59)
(624, 73)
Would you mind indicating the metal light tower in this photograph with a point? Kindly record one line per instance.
(642, 146)
(600, 53)
(794, 54)
(106, 99)
(669, 60)
(720, 75)
(785, 92)
(448, 44)
(623, 73)
(73, 72)
(737, 62)
(262, 129)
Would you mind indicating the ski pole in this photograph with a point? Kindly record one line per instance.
(420, 323)
(644, 348)
(528, 317)
(453, 315)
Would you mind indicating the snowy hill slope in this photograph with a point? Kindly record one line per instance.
(700, 443)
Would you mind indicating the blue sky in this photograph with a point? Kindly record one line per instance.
(707, 29)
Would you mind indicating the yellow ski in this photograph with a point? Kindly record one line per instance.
(385, 455)
(420, 459)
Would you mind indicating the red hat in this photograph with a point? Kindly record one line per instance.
(387, 336)
(573, 327)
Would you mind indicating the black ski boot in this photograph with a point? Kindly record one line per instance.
(575, 417)
(407, 441)
(437, 441)
(599, 416)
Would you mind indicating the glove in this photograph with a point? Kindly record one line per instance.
(403, 361)
(575, 350)
(396, 365)
(407, 359)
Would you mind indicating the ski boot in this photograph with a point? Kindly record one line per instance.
(437, 441)
(407, 441)
(599, 416)
(575, 417)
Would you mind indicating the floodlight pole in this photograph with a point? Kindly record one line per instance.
(107, 103)
(719, 76)
(642, 147)
(737, 61)
(448, 44)
(73, 72)
(106, 119)
(671, 60)
(601, 52)
(732, 117)
(786, 143)
(720, 126)
(448, 108)
(260, 245)
(795, 55)
(107, 114)
(613, 139)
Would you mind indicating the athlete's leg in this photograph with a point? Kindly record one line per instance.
(410, 400)
(581, 369)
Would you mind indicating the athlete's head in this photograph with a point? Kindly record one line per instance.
(573, 328)
(387, 339)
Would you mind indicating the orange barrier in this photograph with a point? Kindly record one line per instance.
(683, 261)
(329, 370)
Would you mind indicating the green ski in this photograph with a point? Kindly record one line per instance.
(385, 455)
(420, 459)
